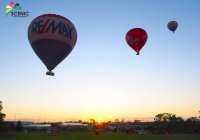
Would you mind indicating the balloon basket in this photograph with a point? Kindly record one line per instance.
(137, 53)
(50, 73)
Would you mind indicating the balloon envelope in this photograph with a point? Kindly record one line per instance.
(136, 39)
(52, 38)
(172, 26)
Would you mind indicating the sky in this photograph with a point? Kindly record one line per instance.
(103, 77)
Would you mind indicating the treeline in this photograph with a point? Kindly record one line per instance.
(166, 121)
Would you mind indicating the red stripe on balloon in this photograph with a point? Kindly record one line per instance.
(44, 26)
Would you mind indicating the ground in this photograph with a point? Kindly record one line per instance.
(92, 136)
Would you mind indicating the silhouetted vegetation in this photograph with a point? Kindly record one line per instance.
(2, 116)
(166, 121)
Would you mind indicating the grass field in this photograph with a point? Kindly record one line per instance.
(91, 136)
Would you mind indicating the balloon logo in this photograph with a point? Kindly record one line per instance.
(136, 39)
(172, 26)
(52, 37)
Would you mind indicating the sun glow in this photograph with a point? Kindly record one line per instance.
(100, 120)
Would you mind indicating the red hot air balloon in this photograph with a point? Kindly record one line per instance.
(52, 38)
(136, 38)
(172, 26)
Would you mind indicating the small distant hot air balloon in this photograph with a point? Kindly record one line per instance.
(52, 38)
(172, 26)
(136, 39)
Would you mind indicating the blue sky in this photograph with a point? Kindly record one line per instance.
(102, 77)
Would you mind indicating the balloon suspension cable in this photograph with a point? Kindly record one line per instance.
(137, 53)
(50, 73)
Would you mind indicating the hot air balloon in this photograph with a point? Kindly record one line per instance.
(172, 26)
(52, 37)
(136, 38)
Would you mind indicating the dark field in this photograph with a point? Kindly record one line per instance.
(92, 136)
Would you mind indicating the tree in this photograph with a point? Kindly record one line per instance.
(117, 120)
(92, 121)
(2, 116)
(167, 117)
(192, 119)
(19, 126)
(168, 121)
(193, 124)
(164, 117)
(80, 121)
(1, 107)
